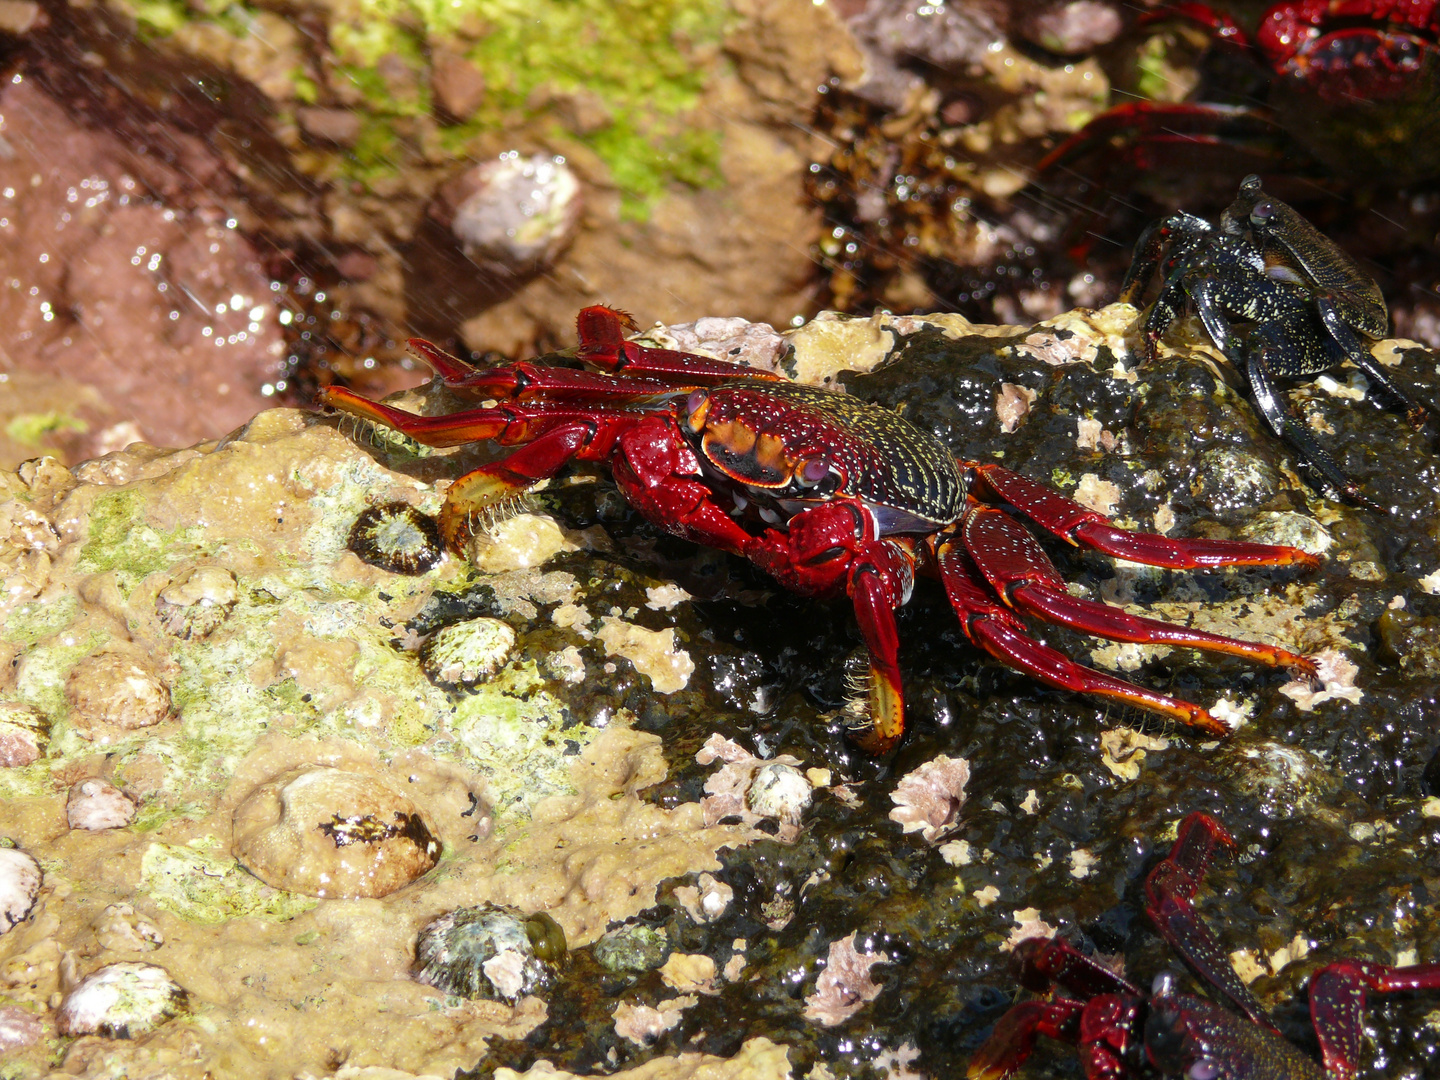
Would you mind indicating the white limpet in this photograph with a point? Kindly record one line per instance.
(98, 804)
(779, 791)
(20, 879)
(120, 1001)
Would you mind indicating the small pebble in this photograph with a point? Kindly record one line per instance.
(20, 879)
(521, 212)
(121, 1001)
(98, 804)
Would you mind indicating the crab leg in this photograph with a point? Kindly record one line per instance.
(1361, 357)
(1337, 1005)
(1023, 575)
(996, 630)
(870, 590)
(1013, 1039)
(507, 424)
(602, 343)
(1070, 521)
(1170, 887)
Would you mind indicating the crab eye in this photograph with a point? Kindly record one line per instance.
(1261, 212)
(697, 405)
(815, 470)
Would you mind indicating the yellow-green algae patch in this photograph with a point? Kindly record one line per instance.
(312, 663)
(640, 66)
(210, 889)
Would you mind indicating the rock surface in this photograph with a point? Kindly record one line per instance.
(573, 779)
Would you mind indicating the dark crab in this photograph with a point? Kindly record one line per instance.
(825, 492)
(1122, 1032)
(1308, 304)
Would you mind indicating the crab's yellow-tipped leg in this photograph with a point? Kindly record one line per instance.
(478, 494)
(474, 425)
(876, 590)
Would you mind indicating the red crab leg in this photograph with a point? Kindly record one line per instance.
(1337, 1005)
(451, 369)
(996, 630)
(1070, 521)
(1020, 571)
(1053, 962)
(1013, 1039)
(602, 343)
(511, 382)
(871, 590)
(1170, 887)
(508, 424)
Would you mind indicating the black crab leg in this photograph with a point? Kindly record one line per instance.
(1361, 357)
(1266, 354)
(1150, 252)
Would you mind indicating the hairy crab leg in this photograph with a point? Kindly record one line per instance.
(602, 343)
(507, 424)
(878, 583)
(1337, 1005)
(1169, 889)
(996, 630)
(1013, 1039)
(1070, 521)
(1020, 571)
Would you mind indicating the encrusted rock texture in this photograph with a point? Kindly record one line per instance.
(188, 637)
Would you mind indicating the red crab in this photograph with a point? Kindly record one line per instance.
(825, 492)
(1351, 54)
(1122, 1032)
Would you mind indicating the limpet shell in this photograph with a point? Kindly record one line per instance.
(396, 537)
(779, 791)
(491, 952)
(330, 832)
(121, 1001)
(195, 604)
(632, 947)
(24, 734)
(110, 694)
(98, 804)
(466, 653)
(20, 879)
